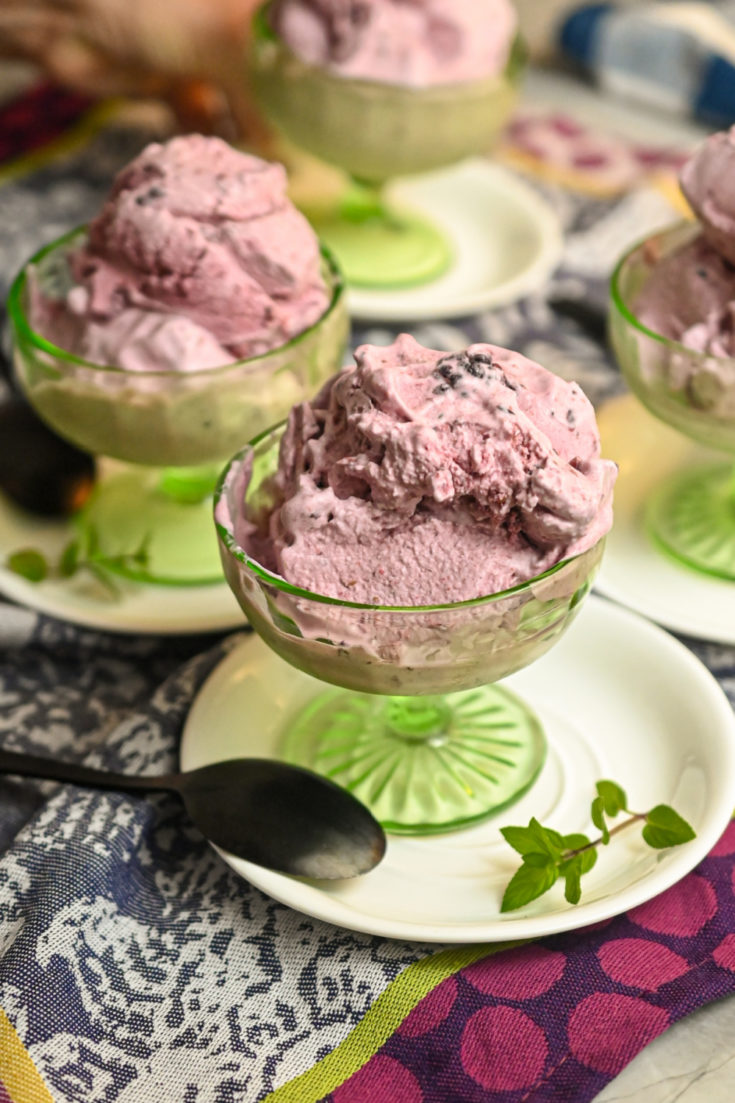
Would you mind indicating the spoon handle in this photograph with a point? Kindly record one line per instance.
(51, 769)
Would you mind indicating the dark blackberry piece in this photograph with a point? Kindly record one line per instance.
(449, 372)
(153, 193)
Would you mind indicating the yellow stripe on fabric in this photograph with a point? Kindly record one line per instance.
(18, 1075)
(73, 139)
(380, 1021)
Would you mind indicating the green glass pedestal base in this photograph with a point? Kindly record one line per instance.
(168, 514)
(423, 765)
(385, 249)
(692, 517)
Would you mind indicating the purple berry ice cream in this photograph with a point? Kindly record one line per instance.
(689, 296)
(197, 259)
(708, 183)
(418, 477)
(410, 42)
(194, 310)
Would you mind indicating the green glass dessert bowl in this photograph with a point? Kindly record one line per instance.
(172, 430)
(375, 131)
(416, 729)
(691, 515)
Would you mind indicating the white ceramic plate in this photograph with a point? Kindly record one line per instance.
(506, 241)
(635, 572)
(619, 699)
(159, 610)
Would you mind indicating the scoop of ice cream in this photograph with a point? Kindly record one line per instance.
(708, 182)
(687, 297)
(418, 477)
(196, 259)
(413, 42)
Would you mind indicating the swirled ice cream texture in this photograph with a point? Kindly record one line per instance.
(690, 298)
(410, 42)
(690, 295)
(196, 259)
(708, 183)
(418, 477)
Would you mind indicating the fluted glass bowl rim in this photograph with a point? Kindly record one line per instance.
(264, 32)
(278, 582)
(22, 325)
(634, 322)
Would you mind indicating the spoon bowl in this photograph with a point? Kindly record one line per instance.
(279, 816)
(283, 817)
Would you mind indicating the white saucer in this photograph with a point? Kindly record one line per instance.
(619, 699)
(156, 610)
(506, 240)
(634, 572)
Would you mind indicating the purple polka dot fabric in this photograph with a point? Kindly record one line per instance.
(557, 1019)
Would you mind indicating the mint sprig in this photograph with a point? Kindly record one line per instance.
(548, 856)
(29, 563)
(81, 554)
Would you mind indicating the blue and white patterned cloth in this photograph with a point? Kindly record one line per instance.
(679, 57)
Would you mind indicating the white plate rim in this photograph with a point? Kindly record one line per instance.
(174, 610)
(383, 306)
(703, 626)
(141, 609)
(309, 900)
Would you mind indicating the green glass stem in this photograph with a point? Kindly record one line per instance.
(423, 765)
(362, 202)
(189, 484)
(692, 517)
(378, 246)
(418, 719)
(169, 512)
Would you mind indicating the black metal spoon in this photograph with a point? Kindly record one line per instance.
(268, 812)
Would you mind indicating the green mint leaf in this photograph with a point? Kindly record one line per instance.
(664, 827)
(91, 542)
(141, 556)
(614, 799)
(588, 859)
(534, 839)
(520, 839)
(585, 858)
(587, 854)
(69, 561)
(535, 859)
(573, 880)
(528, 883)
(548, 841)
(598, 818)
(575, 841)
(28, 563)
